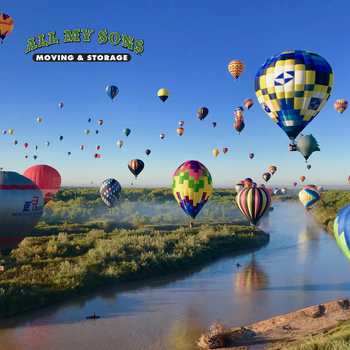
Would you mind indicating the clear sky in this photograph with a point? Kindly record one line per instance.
(187, 48)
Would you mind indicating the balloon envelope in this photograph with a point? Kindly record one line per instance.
(47, 178)
(342, 229)
(192, 186)
(236, 68)
(341, 105)
(112, 91)
(163, 94)
(136, 166)
(215, 152)
(306, 145)
(6, 25)
(309, 196)
(110, 191)
(202, 112)
(126, 132)
(266, 176)
(148, 151)
(22, 205)
(248, 103)
(272, 169)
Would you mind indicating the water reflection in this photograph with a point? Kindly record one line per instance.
(309, 239)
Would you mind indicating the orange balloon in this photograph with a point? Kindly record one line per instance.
(180, 131)
(236, 68)
(272, 169)
(302, 178)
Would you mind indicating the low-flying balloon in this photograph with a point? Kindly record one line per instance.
(341, 106)
(216, 152)
(163, 94)
(192, 185)
(309, 196)
(239, 187)
(202, 112)
(112, 91)
(136, 166)
(248, 182)
(126, 132)
(284, 190)
(110, 191)
(236, 68)
(341, 228)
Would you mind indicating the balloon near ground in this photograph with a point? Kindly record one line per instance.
(288, 87)
(47, 178)
(6, 26)
(341, 229)
(22, 205)
(192, 185)
(110, 191)
(163, 94)
(309, 196)
(253, 203)
(136, 166)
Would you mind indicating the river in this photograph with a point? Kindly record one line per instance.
(301, 266)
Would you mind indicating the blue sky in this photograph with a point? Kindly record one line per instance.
(187, 48)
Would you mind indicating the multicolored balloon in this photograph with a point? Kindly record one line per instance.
(308, 167)
(87, 131)
(251, 155)
(162, 136)
(309, 196)
(239, 126)
(341, 106)
(47, 143)
(120, 143)
(100, 121)
(15, 142)
(284, 190)
(341, 229)
(96, 132)
(294, 184)
(239, 187)
(320, 188)
(224, 150)
(288, 88)
(302, 178)
(180, 131)
(148, 152)
(60, 105)
(126, 132)
(163, 94)
(248, 182)
(136, 166)
(81, 147)
(236, 68)
(266, 176)
(192, 186)
(253, 203)
(272, 169)
(6, 26)
(110, 191)
(69, 153)
(202, 112)
(112, 91)
(213, 124)
(181, 122)
(248, 103)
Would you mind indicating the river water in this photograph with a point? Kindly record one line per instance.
(301, 266)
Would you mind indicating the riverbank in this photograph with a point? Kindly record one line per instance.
(44, 270)
(322, 326)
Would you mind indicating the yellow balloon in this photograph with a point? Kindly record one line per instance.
(39, 120)
(216, 152)
(163, 94)
(120, 143)
(11, 131)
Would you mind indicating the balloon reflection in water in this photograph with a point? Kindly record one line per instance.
(252, 277)
(308, 242)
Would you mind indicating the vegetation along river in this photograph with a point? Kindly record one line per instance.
(300, 266)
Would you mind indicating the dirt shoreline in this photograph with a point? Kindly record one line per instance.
(275, 332)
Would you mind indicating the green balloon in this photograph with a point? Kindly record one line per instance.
(306, 145)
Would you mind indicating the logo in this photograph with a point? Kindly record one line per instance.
(84, 36)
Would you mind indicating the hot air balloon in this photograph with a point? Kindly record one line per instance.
(251, 155)
(306, 145)
(87, 132)
(254, 184)
(100, 121)
(320, 188)
(89, 120)
(260, 186)
(266, 176)
(35, 157)
(39, 120)
(239, 126)
(253, 203)
(180, 131)
(136, 166)
(112, 91)
(15, 142)
(216, 152)
(349, 179)
(4, 132)
(35, 147)
(161, 136)
(148, 152)
(120, 143)
(239, 118)
(60, 105)
(248, 182)
(26, 156)
(22, 205)
(25, 145)
(69, 153)
(224, 150)
(98, 155)
(192, 186)
(97, 147)
(163, 94)
(46, 177)
(241, 182)
(288, 88)
(284, 190)
(126, 132)
(294, 184)
(95, 155)
(276, 191)
(213, 124)
(181, 123)
(341, 105)
(341, 229)
(61, 138)
(81, 147)
(91, 182)
(11, 131)
(6, 26)
(47, 143)
(272, 169)
(96, 132)
(239, 187)
(202, 113)
(308, 167)
(248, 103)
(269, 190)
(309, 196)
(302, 178)
(236, 68)
(110, 191)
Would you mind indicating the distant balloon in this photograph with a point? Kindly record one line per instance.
(213, 124)
(91, 182)
(6, 26)
(112, 91)
(181, 123)
(192, 186)
(25, 145)
(100, 121)
(294, 184)
(35, 147)
(253, 203)
(248, 103)
(341, 106)
(248, 182)
(161, 136)
(4, 132)
(22, 206)
(126, 132)
(216, 152)
(320, 188)
(120, 143)
(266, 176)
(251, 155)
(47, 143)
(46, 177)
(284, 190)
(272, 169)
(163, 94)
(96, 132)
(98, 155)
(95, 155)
(26, 156)
(89, 120)
(306, 145)
(308, 167)
(61, 138)
(239, 126)
(236, 68)
(260, 186)
(69, 153)
(202, 113)
(39, 120)
(11, 131)
(87, 132)
(180, 131)
(309, 196)
(239, 187)
(15, 142)
(136, 166)
(224, 150)
(302, 178)
(276, 191)
(148, 152)
(81, 147)
(110, 191)
(60, 105)
(35, 157)
(97, 147)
